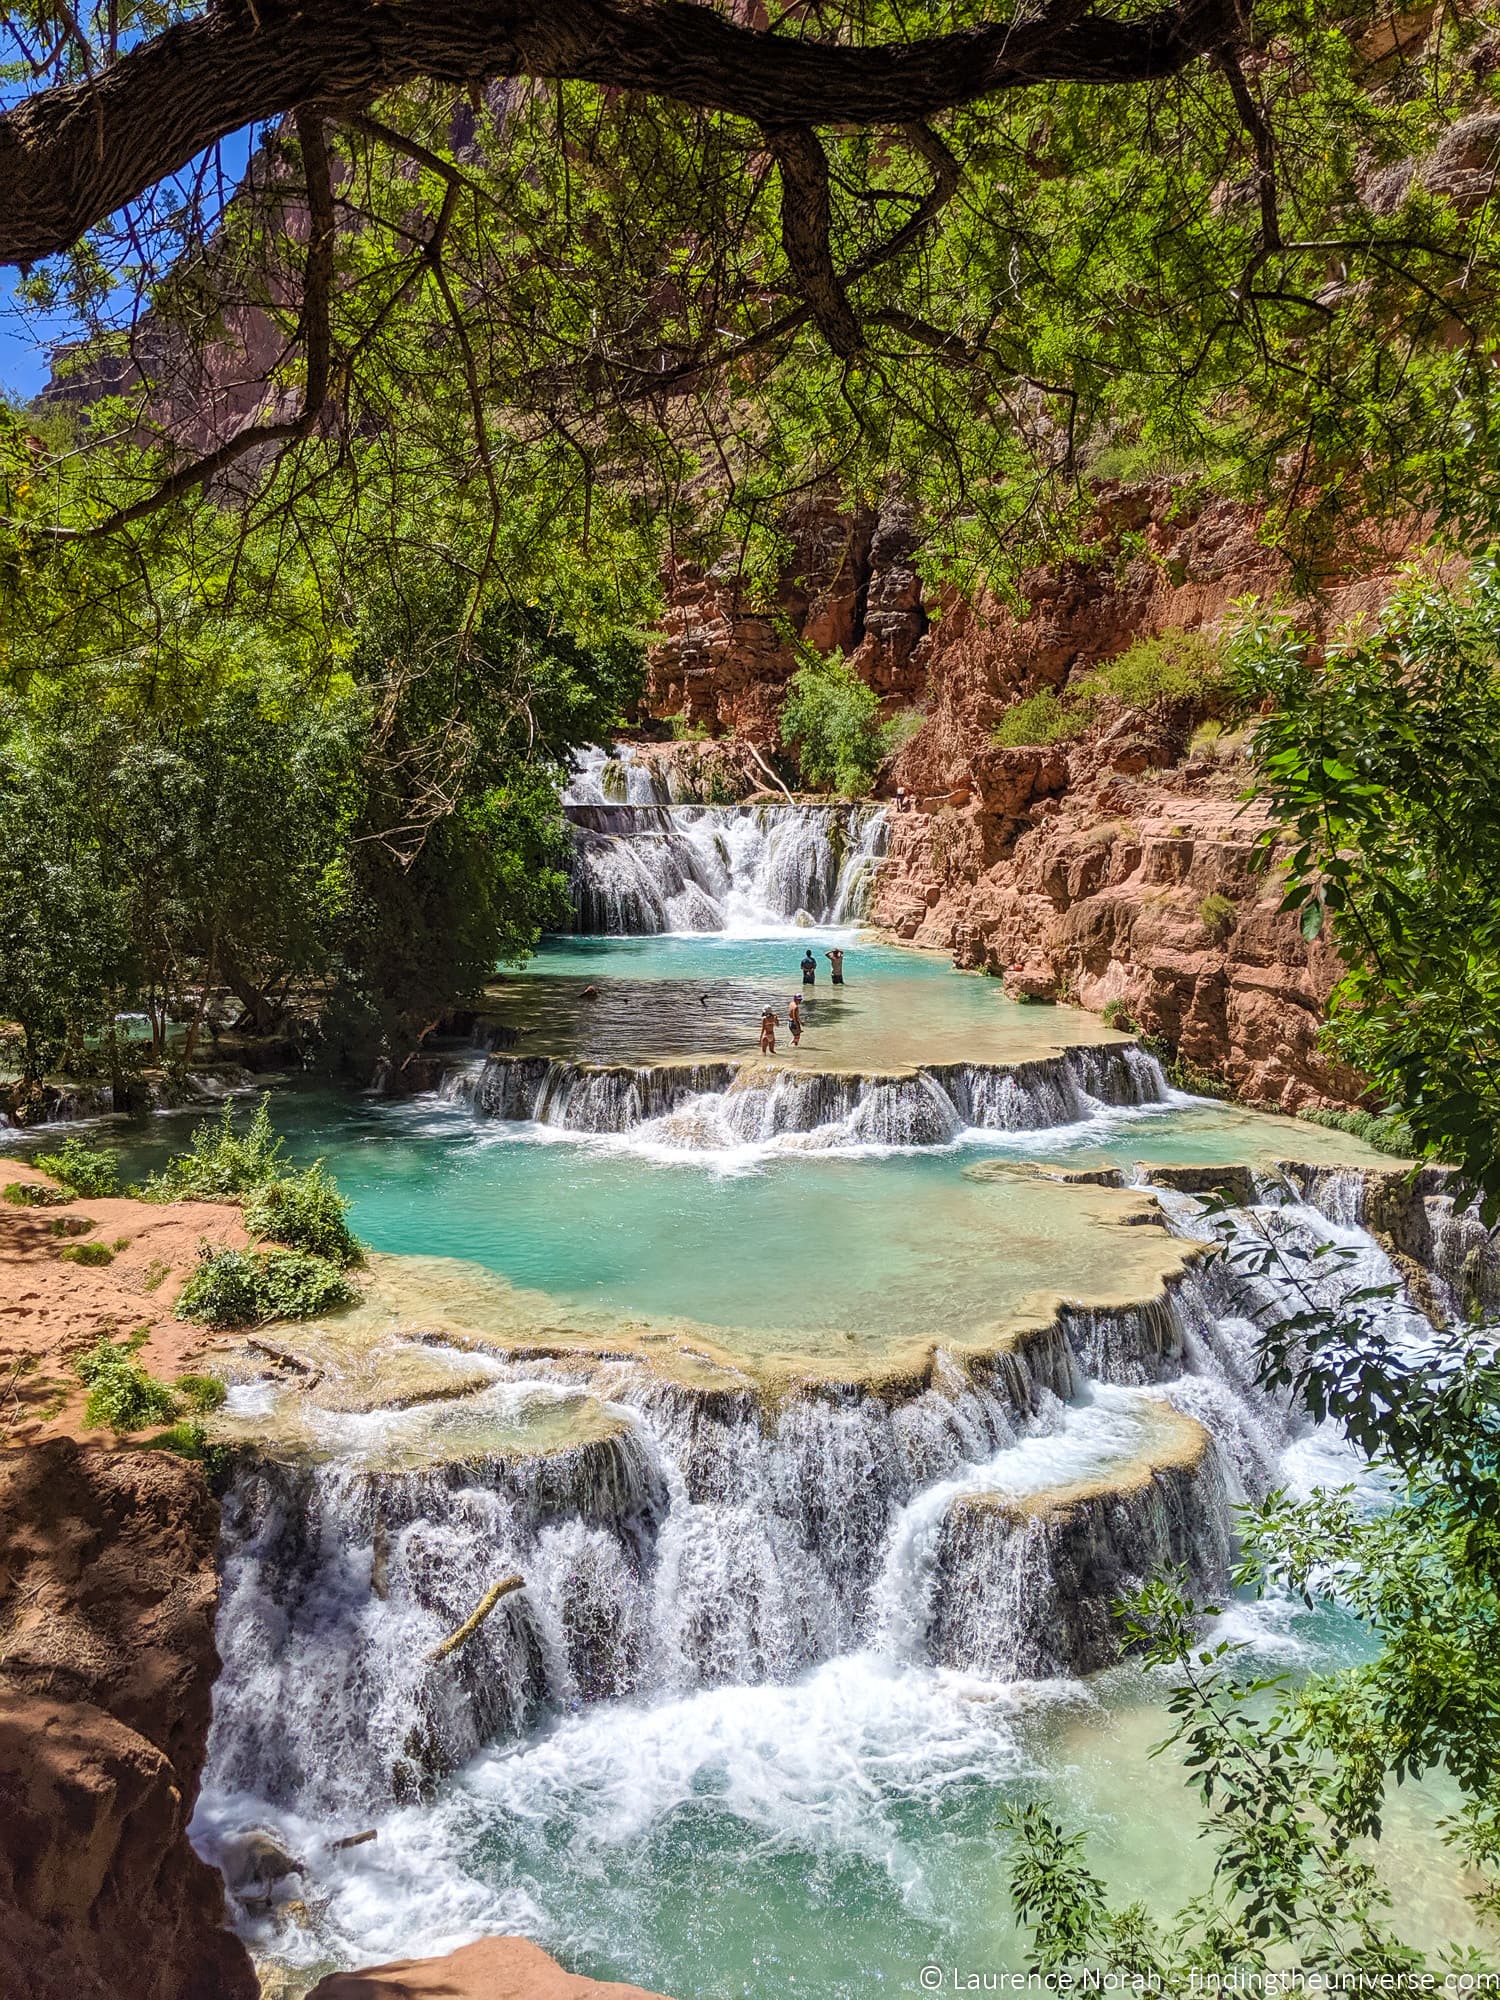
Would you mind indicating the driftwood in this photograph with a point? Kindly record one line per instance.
(477, 1616)
(352, 1840)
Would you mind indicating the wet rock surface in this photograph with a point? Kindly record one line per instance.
(492, 1969)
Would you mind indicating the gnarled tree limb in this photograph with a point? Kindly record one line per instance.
(72, 154)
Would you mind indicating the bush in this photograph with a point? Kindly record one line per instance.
(1117, 1015)
(201, 1392)
(306, 1212)
(85, 1170)
(33, 1194)
(1216, 914)
(221, 1161)
(1387, 1132)
(1155, 673)
(71, 1225)
(1036, 719)
(121, 1394)
(243, 1288)
(87, 1253)
(830, 716)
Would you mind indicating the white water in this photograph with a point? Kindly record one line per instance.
(643, 865)
(733, 1114)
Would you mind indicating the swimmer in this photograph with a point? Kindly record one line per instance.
(768, 1032)
(836, 960)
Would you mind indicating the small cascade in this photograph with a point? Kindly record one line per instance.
(644, 865)
(703, 1107)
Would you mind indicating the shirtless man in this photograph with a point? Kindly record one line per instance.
(794, 1019)
(768, 1032)
(836, 960)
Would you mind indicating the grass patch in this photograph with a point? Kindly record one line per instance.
(201, 1392)
(155, 1274)
(122, 1396)
(1155, 673)
(95, 1255)
(85, 1170)
(1386, 1131)
(1035, 720)
(1117, 1015)
(1217, 914)
(233, 1288)
(34, 1194)
(70, 1225)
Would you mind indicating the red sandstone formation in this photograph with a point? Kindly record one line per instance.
(492, 1969)
(1081, 870)
(107, 1598)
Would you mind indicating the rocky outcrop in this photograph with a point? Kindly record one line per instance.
(723, 659)
(107, 1598)
(492, 1969)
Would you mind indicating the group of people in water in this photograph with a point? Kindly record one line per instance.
(770, 1020)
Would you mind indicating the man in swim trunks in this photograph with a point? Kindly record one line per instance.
(768, 1032)
(809, 968)
(836, 960)
(794, 1019)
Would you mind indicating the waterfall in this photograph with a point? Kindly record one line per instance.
(701, 1107)
(643, 865)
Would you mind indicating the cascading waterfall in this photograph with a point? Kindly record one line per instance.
(644, 865)
(725, 1106)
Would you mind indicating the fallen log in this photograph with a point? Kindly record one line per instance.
(476, 1617)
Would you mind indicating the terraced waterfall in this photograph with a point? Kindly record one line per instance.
(814, 1413)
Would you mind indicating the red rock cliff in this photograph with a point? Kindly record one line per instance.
(1096, 870)
(107, 1662)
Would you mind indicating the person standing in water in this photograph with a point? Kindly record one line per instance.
(836, 960)
(768, 1032)
(794, 1019)
(809, 968)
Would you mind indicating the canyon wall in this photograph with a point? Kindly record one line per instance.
(1117, 866)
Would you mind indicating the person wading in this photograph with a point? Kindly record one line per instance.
(768, 1032)
(794, 1019)
(836, 960)
(809, 968)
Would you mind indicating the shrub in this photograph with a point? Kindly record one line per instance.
(243, 1288)
(1036, 719)
(85, 1170)
(684, 731)
(221, 1161)
(71, 1225)
(1117, 1015)
(1386, 1131)
(33, 1194)
(201, 1392)
(1216, 914)
(87, 1253)
(829, 715)
(1179, 666)
(306, 1212)
(121, 1394)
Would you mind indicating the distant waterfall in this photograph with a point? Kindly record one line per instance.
(643, 865)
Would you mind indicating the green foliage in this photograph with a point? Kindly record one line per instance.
(1381, 766)
(1037, 719)
(830, 716)
(94, 1254)
(233, 1288)
(122, 1396)
(71, 1225)
(1155, 673)
(1116, 1014)
(684, 731)
(84, 1170)
(33, 1194)
(201, 1393)
(1385, 1132)
(222, 1162)
(306, 1212)
(1216, 913)
(1295, 1772)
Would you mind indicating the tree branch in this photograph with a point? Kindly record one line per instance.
(72, 154)
(805, 220)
